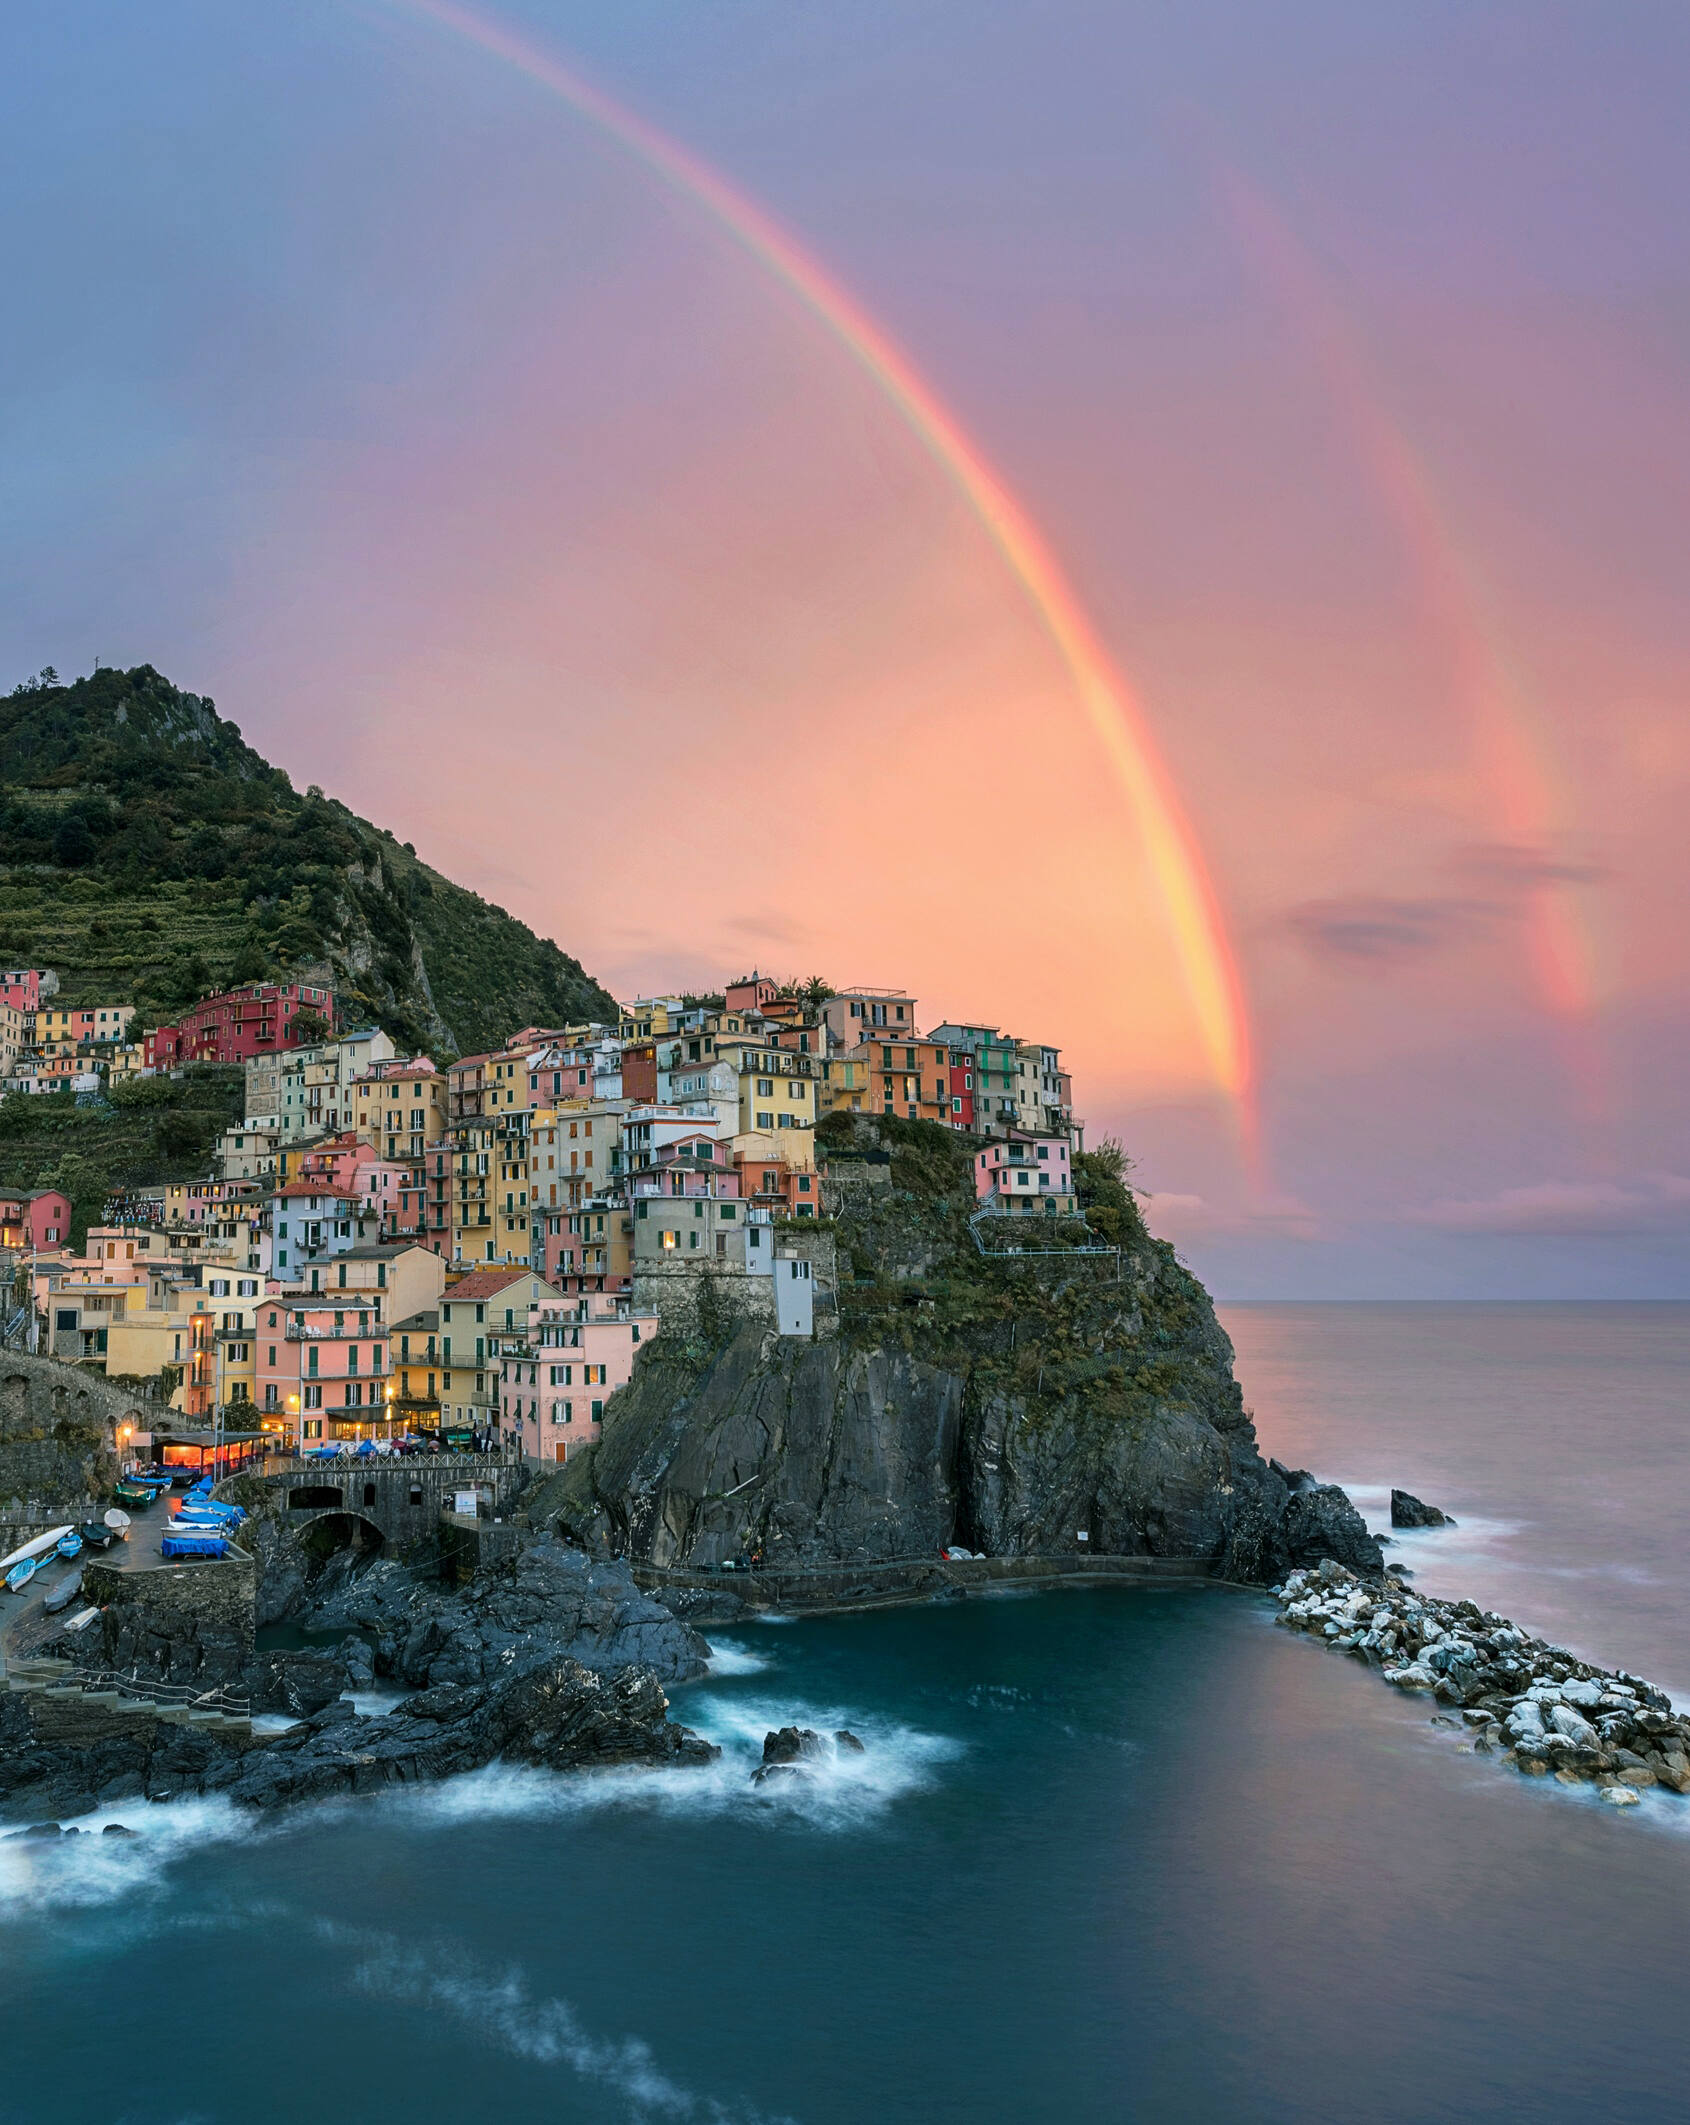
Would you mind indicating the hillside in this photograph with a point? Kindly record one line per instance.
(154, 1129)
(147, 851)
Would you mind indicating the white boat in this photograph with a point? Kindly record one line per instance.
(39, 1547)
(118, 1521)
(81, 1621)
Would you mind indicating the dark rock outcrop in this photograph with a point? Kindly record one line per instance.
(1051, 1407)
(549, 1599)
(792, 1745)
(554, 1714)
(1410, 1511)
(1323, 1523)
(64, 1759)
(301, 1682)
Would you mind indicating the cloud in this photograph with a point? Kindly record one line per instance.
(1521, 868)
(1647, 1204)
(1379, 932)
(1182, 1218)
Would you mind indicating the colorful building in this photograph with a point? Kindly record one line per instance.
(321, 1367)
(1025, 1173)
(33, 1219)
(555, 1380)
(260, 1017)
(476, 1314)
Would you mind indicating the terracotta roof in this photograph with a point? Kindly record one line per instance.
(324, 1187)
(486, 1283)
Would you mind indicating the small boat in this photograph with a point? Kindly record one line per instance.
(35, 1551)
(118, 1522)
(68, 1590)
(96, 1535)
(69, 1545)
(133, 1492)
(21, 1574)
(82, 1619)
(194, 1542)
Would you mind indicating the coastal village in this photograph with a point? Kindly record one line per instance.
(469, 1254)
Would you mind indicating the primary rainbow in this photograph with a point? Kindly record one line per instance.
(1205, 954)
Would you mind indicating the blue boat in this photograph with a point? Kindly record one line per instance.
(69, 1545)
(21, 1574)
(194, 1542)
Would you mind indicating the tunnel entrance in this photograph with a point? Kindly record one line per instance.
(337, 1532)
(313, 1497)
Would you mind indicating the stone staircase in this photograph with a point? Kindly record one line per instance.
(61, 1682)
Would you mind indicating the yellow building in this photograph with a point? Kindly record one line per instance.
(473, 1190)
(60, 1029)
(399, 1108)
(649, 1017)
(844, 1085)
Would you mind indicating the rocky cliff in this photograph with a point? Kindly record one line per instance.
(1069, 1402)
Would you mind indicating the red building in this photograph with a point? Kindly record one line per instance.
(38, 1217)
(21, 987)
(257, 1019)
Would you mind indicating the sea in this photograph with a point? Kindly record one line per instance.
(1105, 1856)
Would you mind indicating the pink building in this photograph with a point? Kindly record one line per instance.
(34, 1218)
(21, 987)
(553, 1386)
(322, 1367)
(698, 1165)
(1025, 1173)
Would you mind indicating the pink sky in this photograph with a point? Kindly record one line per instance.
(509, 500)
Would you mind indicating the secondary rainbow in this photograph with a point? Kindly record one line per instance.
(1206, 958)
(1514, 756)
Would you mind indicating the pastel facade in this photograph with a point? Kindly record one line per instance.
(34, 1219)
(554, 1382)
(1025, 1173)
(321, 1368)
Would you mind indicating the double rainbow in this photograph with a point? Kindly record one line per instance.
(1205, 954)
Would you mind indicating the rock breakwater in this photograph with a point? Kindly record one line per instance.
(1538, 1708)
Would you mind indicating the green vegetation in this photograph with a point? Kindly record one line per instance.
(1108, 1339)
(155, 1129)
(1107, 1202)
(147, 853)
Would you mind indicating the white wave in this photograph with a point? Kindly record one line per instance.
(843, 1789)
(377, 1703)
(774, 1616)
(41, 1874)
(501, 2009)
(727, 1658)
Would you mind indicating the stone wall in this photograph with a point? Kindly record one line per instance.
(714, 1300)
(58, 1437)
(193, 1625)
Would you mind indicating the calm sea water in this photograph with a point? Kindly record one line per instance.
(1106, 1857)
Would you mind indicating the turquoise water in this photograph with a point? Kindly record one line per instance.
(1105, 1857)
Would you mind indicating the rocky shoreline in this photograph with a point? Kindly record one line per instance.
(1536, 1707)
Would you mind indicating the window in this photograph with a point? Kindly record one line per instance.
(671, 1240)
(598, 1411)
(314, 1400)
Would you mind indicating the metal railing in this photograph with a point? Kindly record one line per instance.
(65, 1674)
